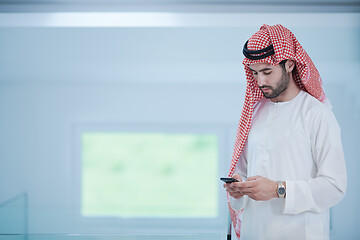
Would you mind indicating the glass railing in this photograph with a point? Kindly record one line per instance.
(14, 226)
(14, 216)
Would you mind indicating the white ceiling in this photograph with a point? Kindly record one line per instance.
(180, 5)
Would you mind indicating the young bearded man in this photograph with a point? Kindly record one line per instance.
(288, 156)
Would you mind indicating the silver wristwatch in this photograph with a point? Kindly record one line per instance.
(281, 191)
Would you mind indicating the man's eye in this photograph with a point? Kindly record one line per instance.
(267, 73)
(255, 73)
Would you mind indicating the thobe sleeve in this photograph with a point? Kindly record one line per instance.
(329, 185)
(241, 169)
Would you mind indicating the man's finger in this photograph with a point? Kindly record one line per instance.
(237, 177)
(236, 195)
(252, 178)
(244, 185)
(247, 192)
(232, 190)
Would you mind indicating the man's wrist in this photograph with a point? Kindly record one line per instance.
(275, 192)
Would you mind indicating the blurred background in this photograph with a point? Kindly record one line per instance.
(117, 118)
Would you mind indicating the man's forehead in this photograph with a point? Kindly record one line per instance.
(260, 66)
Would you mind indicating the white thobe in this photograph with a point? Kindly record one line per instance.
(298, 142)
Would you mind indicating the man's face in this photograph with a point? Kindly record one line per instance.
(272, 80)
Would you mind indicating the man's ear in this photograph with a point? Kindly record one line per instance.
(289, 65)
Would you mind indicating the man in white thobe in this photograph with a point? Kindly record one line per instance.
(291, 169)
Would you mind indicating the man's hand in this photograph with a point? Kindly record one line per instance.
(233, 190)
(257, 187)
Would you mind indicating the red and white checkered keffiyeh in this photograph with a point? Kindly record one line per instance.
(286, 46)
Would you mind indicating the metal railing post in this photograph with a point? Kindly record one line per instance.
(229, 228)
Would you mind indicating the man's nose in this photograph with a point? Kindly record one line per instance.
(261, 80)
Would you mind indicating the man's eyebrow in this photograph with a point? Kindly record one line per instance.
(261, 70)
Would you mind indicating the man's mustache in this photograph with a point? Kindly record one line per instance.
(265, 86)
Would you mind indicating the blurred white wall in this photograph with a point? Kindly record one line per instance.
(55, 76)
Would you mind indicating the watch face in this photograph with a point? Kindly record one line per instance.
(281, 190)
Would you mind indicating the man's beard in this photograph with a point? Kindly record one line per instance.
(280, 87)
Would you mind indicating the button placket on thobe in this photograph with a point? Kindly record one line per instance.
(263, 161)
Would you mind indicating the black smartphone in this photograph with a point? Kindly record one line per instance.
(228, 179)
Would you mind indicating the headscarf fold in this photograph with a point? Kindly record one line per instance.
(305, 74)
